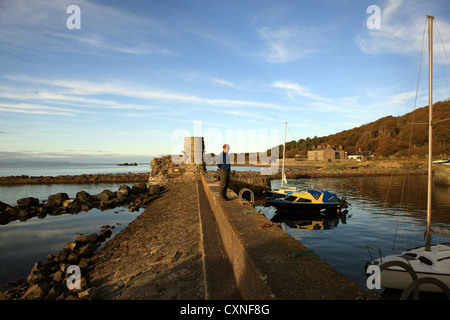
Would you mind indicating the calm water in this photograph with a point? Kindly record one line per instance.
(388, 212)
(57, 169)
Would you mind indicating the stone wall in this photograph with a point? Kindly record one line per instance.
(169, 167)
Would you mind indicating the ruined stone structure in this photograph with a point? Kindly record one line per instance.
(190, 164)
(194, 150)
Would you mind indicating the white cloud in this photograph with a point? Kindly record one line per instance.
(225, 83)
(83, 88)
(294, 88)
(402, 28)
(286, 44)
(38, 109)
(35, 26)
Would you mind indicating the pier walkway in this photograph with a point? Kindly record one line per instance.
(190, 245)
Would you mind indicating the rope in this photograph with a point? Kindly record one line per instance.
(266, 225)
(253, 211)
(294, 254)
(448, 61)
(419, 68)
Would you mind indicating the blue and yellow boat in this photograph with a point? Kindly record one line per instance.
(310, 201)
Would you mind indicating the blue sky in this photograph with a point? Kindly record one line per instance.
(141, 75)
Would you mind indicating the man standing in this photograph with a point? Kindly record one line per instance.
(224, 164)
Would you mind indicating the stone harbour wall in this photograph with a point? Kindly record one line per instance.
(135, 197)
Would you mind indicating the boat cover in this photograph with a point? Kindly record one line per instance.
(328, 196)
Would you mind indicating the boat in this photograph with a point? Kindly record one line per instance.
(430, 260)
(310, 201)
(433, 262)
(290, 199)
(279, 193)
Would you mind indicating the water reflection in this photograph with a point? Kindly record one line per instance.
(318, 224)
(24, 243)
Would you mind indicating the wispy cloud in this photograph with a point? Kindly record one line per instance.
(402, 28)
(296, 89)
(377, 102)
(286, 44)
(41, 26)
(225, 83)
(38, 109)
(88, 88)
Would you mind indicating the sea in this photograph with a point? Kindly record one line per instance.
(387, 215)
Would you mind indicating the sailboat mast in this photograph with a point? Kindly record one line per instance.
(284, 154)
(430, 129)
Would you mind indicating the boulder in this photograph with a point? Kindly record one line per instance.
(58, 276)
(4, 206)
(93, 237)
(23, 215)
(84, 263)
(37, 290)
(124, 189)
(105, 195)
(28, 201)
(73, 258)
(56, 200)
(71, 246)
(123, 193)
(8, 215)
(72, 205)
(62, 255)
(153, 189)
(56, 291)
(35, 274)
(105, 233)
(85, 198)
(88, 249)
(139, 188)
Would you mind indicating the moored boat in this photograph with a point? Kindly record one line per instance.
(310, 201)
(434, 263)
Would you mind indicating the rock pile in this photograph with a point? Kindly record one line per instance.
(173, 167)
(139, 195)
(76, 179)
(50, 281)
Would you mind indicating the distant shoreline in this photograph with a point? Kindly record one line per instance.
(76, 179)
(293, 171)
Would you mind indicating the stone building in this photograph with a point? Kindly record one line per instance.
(327, 154)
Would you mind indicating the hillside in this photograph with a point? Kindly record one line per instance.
(389, 136)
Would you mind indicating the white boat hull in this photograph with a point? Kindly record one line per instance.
(426, 264)
(401, 279)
